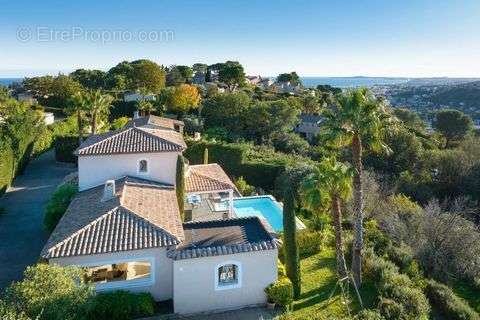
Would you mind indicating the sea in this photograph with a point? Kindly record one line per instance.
(351, 82)
(311, 82)
(8, 81)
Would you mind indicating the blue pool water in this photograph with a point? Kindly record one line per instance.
(263, 207)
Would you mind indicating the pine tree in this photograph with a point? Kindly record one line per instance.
(180, 185)
(205, 156)
(290, 242)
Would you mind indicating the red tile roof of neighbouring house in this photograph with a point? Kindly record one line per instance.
(207, 177)
(142, 215)
(155, 121)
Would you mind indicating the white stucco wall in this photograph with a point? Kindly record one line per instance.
(161, 289)
(95, 170)
(194, 282)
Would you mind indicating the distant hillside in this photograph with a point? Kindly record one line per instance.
(463, 96)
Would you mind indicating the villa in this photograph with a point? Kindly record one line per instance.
(124, 226)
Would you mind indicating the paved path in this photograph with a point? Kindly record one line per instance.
(21, 226)
(254, 313)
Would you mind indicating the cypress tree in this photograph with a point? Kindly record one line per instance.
(180, 186)
(205, 156)
(292, 264)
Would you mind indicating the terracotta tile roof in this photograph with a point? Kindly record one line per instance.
(222, 237)
(155, 121)
(207, 177)
(132, 140)
(143, 214)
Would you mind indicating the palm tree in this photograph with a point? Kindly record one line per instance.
(359, 121)
(328, 185)
(99, 106)
(78, 104)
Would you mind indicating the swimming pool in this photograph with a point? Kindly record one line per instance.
(264, 207)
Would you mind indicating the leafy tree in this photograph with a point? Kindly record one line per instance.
(290, 142)
(90, 79)
(224, 110)
(358, 121)
(63, 88)
(452, 124)
(50, 292)
(328, 186)
(329, 89)
(244, 188)
(184, 98)
(291, 77)
(119, 77)
(98, 107)
(231, 73)
(186, 72)
(200, 67)
(292, 262)
(264, 119)
(147, 74)
(40, 86)
(180, 185)
(174, 77)
(311, 105)
(409, 118)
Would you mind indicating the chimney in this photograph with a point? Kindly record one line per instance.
(108, 190)
(135, 115)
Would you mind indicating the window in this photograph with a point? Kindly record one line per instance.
(143, 166)
(131, 272)
(228, 276)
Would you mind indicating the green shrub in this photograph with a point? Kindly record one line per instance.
(44, 140)
(309, 242)
(121, 305)
(367, 314)
(65, 146)
(119, 123)
(58, 204)
(400, 298)
(282, 272)
(51, 291)
(376, 238)
(451, 306)
(280, 292)
(242, 186)
(401, 255)
(9, 312)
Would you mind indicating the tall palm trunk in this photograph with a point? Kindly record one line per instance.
(358, 210)
(80, 127)
(337, 222)
(94, 123)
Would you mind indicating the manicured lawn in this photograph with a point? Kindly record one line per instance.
(318, 281)
(468, 292)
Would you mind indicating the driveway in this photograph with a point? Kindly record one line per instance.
(21, 226)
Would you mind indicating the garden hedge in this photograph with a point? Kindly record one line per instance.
(65, 145)
(259, 168)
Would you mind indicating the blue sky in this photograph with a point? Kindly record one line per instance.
(315, 38)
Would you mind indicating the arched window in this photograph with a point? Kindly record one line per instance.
(143, 166)
(228, 275)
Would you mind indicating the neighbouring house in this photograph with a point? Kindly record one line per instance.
(309, 125)
(124, 226)
(199, 77)
(27, 97)
(266, 84)
(288, 87)
(255, 80)
(137, 96)
(48, 118)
